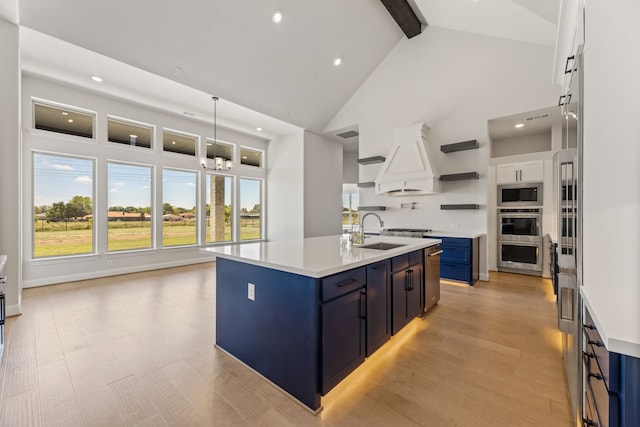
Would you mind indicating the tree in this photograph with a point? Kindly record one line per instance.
(256, 208)
(79, 206)
(167, 209)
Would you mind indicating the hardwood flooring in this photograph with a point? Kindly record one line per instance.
(138, 350)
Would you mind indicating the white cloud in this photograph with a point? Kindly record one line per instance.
(60, 167)
(84, 179)
(119, 184)
(191, 184)
(113, 190)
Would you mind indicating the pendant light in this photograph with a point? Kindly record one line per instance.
(219, 162)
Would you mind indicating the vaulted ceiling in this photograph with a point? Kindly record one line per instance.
(268, 74)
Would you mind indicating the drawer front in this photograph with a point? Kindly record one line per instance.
(455, 254)
(609, 363)
(589, 415)
(606, 404)
(453, 241)
(454, 271)
(415, 257)
(343, 283)
(400, 262)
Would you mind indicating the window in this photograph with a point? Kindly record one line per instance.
(63, 205)
(250, 209)
(350, 202)
(178, 208)
(123, 132)
(219, 149)
(250, 157)
(129, 224)
(219, 208)
(63, 120)
(179, 142)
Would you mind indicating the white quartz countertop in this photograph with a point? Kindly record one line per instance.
(317, 256)
(616, 315)
(459, 234)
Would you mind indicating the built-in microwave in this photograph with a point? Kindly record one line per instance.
(523, 194)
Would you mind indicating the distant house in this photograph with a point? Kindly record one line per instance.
(171, 217)
(123, 216)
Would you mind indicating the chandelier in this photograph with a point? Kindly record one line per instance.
(220, 163)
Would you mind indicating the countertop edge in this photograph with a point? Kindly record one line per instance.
(317, 274)
(616, 342)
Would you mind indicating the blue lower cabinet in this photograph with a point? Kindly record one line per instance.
(406, 289)
(378, 305)
(459, 259)
(612, 392)
(343, 337)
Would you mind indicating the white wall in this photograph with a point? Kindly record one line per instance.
(10, 195)
(350, 167)
(322, 185)
(285, 188)
(521, 145)
(454, 82)
(46, 271)
(612, 150)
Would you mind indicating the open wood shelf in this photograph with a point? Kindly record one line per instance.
(371, 160)
(459, 176)
(469, 206)
(460, 146)
(366, 184)
(372, 208)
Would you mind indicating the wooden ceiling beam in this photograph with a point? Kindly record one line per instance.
(404, 16)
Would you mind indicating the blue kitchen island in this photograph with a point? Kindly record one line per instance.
(305, 313)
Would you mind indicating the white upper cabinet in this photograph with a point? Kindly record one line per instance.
(532, 171)
(570, 37)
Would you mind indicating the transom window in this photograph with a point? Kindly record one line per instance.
(63, 120)
(182, 143)
(127, 133)
(250, 157)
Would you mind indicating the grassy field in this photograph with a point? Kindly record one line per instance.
(57, 240)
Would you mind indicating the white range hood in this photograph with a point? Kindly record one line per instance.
(408, 169)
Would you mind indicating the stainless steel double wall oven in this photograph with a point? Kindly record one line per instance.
(520, 228)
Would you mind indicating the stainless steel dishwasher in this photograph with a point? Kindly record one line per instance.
(431, 276)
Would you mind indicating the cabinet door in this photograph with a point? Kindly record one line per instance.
(415, 291)
(343, 337)
(532, 171)
(507, 173)
(378, 305)
(399, 285)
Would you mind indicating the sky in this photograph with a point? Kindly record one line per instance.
(59, 178)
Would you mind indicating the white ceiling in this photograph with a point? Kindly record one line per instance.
(266, 75)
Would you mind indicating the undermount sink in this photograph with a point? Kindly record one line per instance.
(382, 246)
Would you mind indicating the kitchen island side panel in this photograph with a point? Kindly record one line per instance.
(277, 334)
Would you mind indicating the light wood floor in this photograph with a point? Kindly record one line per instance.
(138, 350)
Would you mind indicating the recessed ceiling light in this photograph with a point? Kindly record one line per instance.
(244, 157)
(209, 144)
(96, 79)
(519, 125)
(133, 136)
(64, 113)
(173, 142)
(337, 61)
(259, 129)
(70, 120)
(277, 17)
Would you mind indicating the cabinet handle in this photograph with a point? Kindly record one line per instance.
(347, 283)
(589, 423)
(596, 343)
(592, 327)
(596, 375)
(378, 267)
(363, 304)
(516, 174)
(436, 253)
(568, 69)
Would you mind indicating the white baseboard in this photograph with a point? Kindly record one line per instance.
(110, 272)
(484, 277)
(13, 310)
